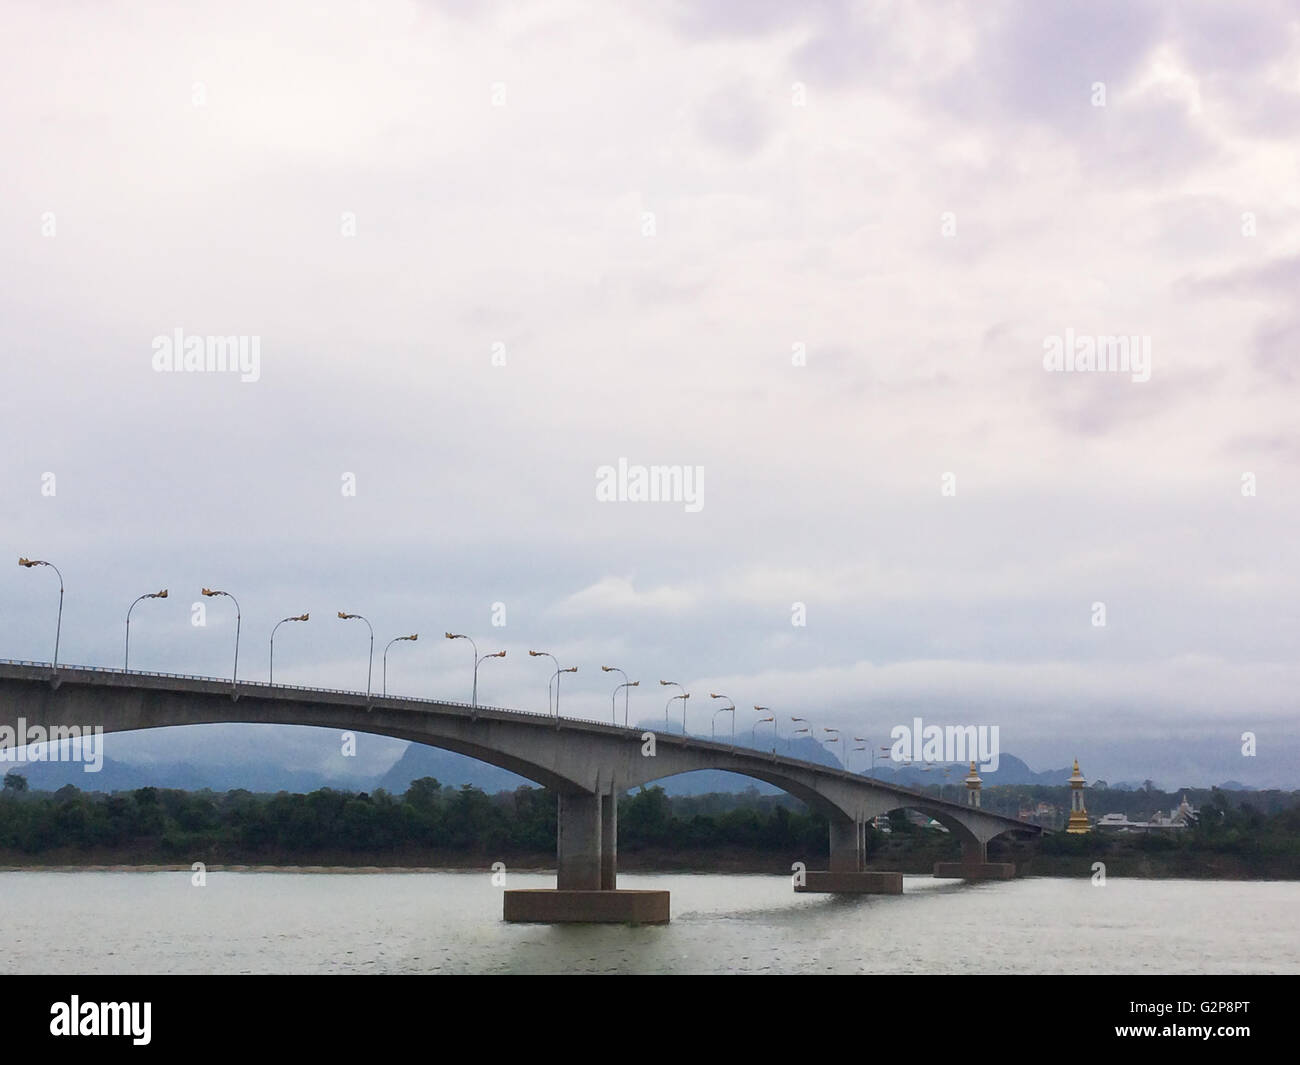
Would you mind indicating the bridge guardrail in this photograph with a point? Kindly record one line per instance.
(262, 684)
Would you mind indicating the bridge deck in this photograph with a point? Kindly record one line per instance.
(100, 676)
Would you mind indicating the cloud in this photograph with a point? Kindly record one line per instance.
(733, 119)
(501, 324)
(613, 594)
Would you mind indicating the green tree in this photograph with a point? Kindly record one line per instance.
(647, 816)
(423, 793)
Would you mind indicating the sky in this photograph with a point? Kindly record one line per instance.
(813, 255)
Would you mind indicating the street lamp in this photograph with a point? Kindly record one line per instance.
(58, 628)
(624, 686)
(556, 679)
(477, 660)
(370, 663)
(683, 697)
(271, 670)
(395, 639)
(126, 657)
(494, 654)
(234, 677)
(629, 684)
(547, 654)
(713, 722)
(836, 739)
(668, 705)
(799, 730)
(753, 733)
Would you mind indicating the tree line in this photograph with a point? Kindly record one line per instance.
(1235, 833)
(427, 818)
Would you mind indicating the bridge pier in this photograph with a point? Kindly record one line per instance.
(586, 872)
(974, 864)
(609, 841)
(848, 854)
(578, 842)
(848, 874)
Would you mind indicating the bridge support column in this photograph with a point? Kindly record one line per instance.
(609, 841)
(846, 847)
(587, 872)
(974, 864)
(578, 839)
(847, 874)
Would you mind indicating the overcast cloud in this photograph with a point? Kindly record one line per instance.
(648, 211)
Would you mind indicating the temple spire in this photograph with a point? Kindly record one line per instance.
(1078, 823)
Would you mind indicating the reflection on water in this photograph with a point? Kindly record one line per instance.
(101, 922)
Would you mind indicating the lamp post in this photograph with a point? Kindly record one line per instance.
(58, 627)
(556, 679)
(629, 684)
(808, 729)
(624, 686)
(478, 659)
(713, 722)
(494, 654)
(271, 669)
(395, 639)
(668, 705)
(126, 656)
(370, 662)
(753, 733)
(547, 654)
(683, 697)
(836, 738)
(234, 677)
(474, 648)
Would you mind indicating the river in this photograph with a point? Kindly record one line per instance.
(450, 922)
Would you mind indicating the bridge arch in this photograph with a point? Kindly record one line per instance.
(955, 827)
(805, 793)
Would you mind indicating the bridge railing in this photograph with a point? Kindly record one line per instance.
(109, 670)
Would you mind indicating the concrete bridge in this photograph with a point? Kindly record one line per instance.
(587, 763)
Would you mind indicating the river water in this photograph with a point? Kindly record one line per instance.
(259, 922)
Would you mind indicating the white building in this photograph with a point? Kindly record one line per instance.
(1178, 818)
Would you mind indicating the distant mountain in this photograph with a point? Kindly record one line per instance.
(455, 770)
(125, 776)
(1010, 770)
(451, 770)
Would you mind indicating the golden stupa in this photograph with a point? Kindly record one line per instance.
(1078, 822)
